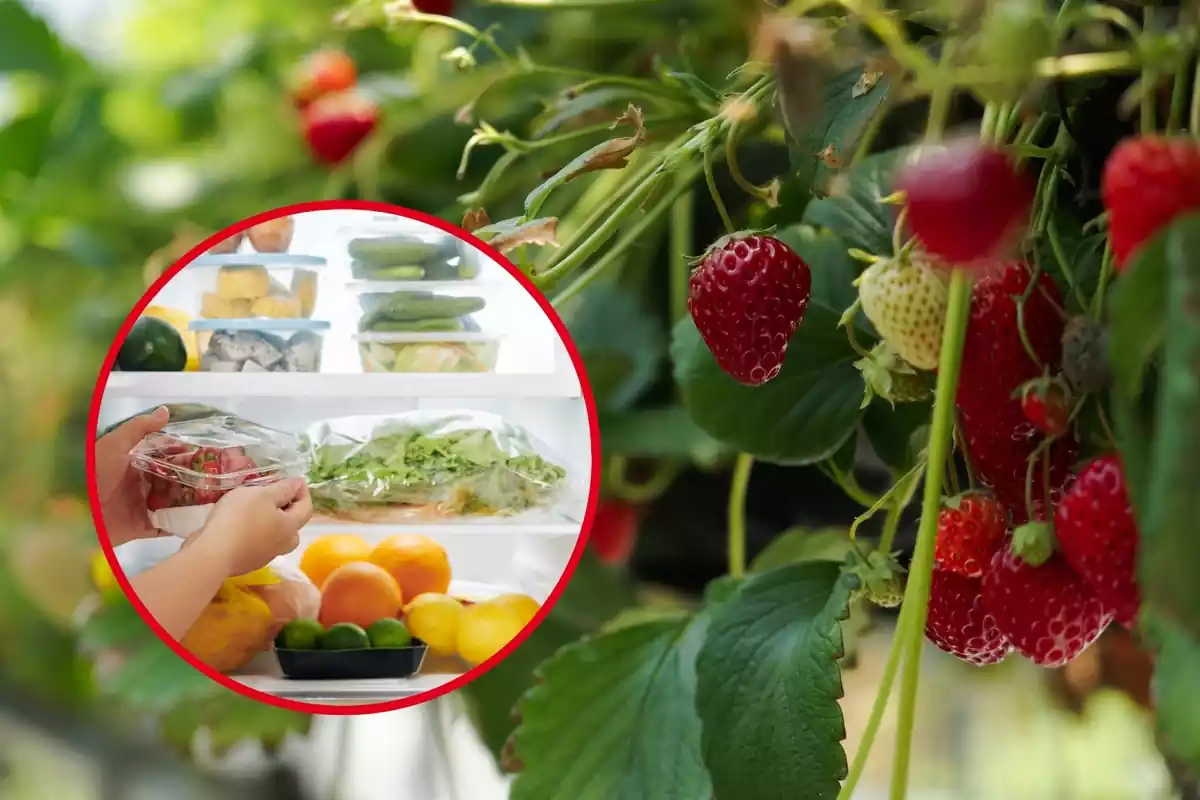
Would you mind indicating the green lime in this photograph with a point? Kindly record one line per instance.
(389, 633)
(345, 636)
(300, 634)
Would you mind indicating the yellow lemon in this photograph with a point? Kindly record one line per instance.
(434, 619)
(102, 575)
(485, 629)
(524, 606)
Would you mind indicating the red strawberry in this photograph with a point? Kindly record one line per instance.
(322, 73)
(614, 531)
(747, 298)
(1148, 181)
(1047, 612)
(1098, 536)
(966, 202)
(999, 439)
(443, 7)
(1047, 405)
(959, 624)
(336, 124)
(970, 531)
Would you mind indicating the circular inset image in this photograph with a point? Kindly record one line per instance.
(345, 457)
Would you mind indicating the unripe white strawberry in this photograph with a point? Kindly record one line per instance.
(906, 298)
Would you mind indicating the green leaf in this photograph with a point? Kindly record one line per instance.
(229, 719)
(26, 42)
(621, 343)
(658, 433)
(1169, 548)
(614, 718)
(843, 119)
(768, 684)
(804, 415)
(115, 625)
(155, 679)
(801, 545)
(571, 107)
(833, 270)
(855, 213)
(896, 434)
(1176, 686)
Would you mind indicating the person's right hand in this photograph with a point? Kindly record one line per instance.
(252, 525)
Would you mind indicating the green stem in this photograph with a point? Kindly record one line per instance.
(1178, 100)
(849, 485)
(710, 179)
(737, 514)
(1149, 80)
(731, 162)
(897, 489)
(457, 25)
(891, 522)
(1194, 117)
(939, 99)
(644, 492)
(682, 211)
(1106, 264)
(1064, 263)
(920, 571)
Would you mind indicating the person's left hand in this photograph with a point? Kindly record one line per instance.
(120, 487)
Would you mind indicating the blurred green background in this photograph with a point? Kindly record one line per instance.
(130, 130)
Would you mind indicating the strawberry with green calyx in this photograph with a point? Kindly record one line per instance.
(1046, 403)
(971, 528)
(747, 297)
(1085, 355)
(887, 375)
(959, 624)
(1034, 542)
(879, 576)
(906, 298)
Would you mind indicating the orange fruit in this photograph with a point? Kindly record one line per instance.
(360, 593)
(327, 553)
(418, 563)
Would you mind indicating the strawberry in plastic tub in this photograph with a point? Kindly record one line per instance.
(189, 466)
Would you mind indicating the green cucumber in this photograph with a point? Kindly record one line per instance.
(365, 271)
(410, 309)
(439, 325)
(388, 250)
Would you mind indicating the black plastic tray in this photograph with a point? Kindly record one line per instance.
(383, 662)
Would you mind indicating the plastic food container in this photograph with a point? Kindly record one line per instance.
(188, 466)
(316, 665)
(416, 307)
(428, 352)
(395, 249)
(249, 285)
(260, 345)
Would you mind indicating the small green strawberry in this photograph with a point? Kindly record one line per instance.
(890, 377)
(879, 576)
(905, 298)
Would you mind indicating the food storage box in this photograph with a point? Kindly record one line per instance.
(260, 345)
(316, 665)
(395, 249)
(246, 285)
(415, 307)
(188, 466)
(428, 352)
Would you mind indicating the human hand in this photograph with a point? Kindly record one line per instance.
(252, 525)
(119, 486)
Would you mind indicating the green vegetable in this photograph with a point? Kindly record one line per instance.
(428, 356)
(412, 306)
(383, 251)
(365, 271)
(152, 346)
(301, 634)
(345, 636)
(389, 633)
(452, 325)
(459, 470)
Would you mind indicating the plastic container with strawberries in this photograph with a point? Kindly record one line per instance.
(188, 466)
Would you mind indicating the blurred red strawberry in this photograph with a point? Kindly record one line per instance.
(336, 124)
(323, 73)
(444, 8)
(614, 531)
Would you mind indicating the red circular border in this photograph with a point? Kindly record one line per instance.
(474, 672)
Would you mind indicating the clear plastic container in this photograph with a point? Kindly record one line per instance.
(189, 466)
(393, 248)
(260, 345)
(416, 307)
(256, 285)
(428, 352)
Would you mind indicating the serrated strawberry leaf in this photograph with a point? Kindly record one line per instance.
(833, 270)
(854, 209)
(768, 684)
(803, 415)
(802, 545)
(614, 718)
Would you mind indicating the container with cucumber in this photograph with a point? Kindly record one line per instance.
(406, 257)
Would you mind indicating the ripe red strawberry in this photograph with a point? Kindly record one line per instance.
(966, 202)
(1047, 612)
(971, 529)
(443, 7)
(1147, 182)
(614, 531)
(999, 439)
(1047, 405)
(1098, 536)
(336, 124)
(959, 624)
(747, 298)
(323, 73)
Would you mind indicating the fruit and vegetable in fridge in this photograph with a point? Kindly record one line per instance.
(434, 619)
(301, 634)
(397, 249)
(400, 352)
(386, 633)
(484, 629)
(229, 244)
(327, 553)
(272, 236)
(236, 349)
(524, 607)
(360, 593)
(153, 345)
(411, 306)
(419, 564)
(345, 636)
(746, 298)
(242, 291)
(180, 321)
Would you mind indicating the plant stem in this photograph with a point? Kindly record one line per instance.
(1106, 263)
(897, 489)
(1194, 116)
(681, 243)
(891, 522)
(920, 576)
(1149, 79)
(1178, 100)
(1063, 262)
(709, 155)
(737, 514)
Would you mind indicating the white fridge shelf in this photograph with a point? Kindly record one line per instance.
(205, 385)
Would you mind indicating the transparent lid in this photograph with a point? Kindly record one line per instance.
(279, 260)
(219, 452)
(291, 324)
